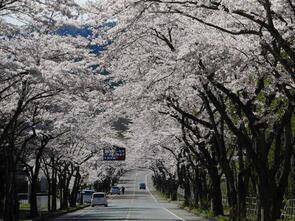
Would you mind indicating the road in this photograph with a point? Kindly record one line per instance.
(135, 204)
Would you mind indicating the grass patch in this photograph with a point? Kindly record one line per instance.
(183, 205)
(160, 195)
(206, 213)
(197, 211)
(24, 206)
(44, 215)
(287, 219)
(202, 212)
(223, 218)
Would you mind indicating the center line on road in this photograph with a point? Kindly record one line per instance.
(132, 200)
(147, 188)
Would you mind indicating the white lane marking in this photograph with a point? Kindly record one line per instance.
(133, 196)
(147, 188)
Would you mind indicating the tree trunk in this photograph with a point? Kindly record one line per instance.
(187, 192)
(81, 196)
(200, 193)
(232, 193)
(33, 197)
(54, 189)
(66, 185)
(198, 188)
(241, 207)
(65, 204)
(174, 186)
(10, 197)
(2, 184)
(73, 196)
(204, 198)
(61, 185)
(266, 196)
(216, 194)
(49, 195)
(49, 183)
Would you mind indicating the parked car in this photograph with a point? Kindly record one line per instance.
(115, 190)
(141, 186)
(87, 194)
(99, 198)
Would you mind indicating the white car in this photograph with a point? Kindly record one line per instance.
(99, 198)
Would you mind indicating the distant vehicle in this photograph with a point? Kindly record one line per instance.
(99, 198)
(115, 190)
(141, 186)
(87, 194)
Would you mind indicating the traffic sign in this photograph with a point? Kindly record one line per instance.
(114, 153)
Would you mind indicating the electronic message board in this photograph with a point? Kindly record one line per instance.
(114, 153)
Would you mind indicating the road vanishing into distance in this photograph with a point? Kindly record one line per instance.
(135, 204)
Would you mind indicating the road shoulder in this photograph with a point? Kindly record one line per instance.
(173, 206)
(51, 216)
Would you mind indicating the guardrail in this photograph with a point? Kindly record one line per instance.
(289, 210)
(251, 208)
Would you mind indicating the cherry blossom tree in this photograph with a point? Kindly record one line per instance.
(231, 60)
(35, 66)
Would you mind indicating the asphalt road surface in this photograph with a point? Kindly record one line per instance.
(135, 204)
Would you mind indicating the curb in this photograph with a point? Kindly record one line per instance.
(57, 214)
